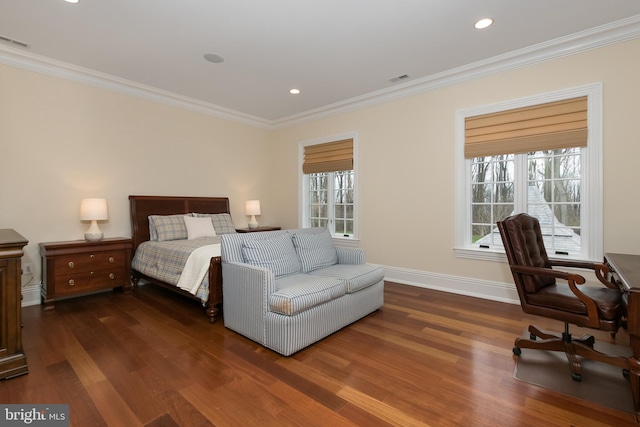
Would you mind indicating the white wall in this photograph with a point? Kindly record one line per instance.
(61, 141)
(406, 176)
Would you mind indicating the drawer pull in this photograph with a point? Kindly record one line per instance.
(71, 264)
(71, 282)
(91, 274)
(112, 276)
(111, 259)
(92, 256)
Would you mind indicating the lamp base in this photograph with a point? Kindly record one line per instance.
(252, 222)
(93, 233)
(93, 237)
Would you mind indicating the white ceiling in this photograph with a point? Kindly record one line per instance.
(334, 51)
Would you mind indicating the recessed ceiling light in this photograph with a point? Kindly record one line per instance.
(483, 23)
(212, 57)
(294, 91)
(72, 1)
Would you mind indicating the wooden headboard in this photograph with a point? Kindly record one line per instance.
(141, 207)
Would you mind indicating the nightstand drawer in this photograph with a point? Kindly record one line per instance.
(79, 282)
(69, 264)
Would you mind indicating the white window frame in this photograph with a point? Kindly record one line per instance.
(591, 198)
(303, 184)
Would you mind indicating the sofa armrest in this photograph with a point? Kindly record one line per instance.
(245, 295)
(350, 255)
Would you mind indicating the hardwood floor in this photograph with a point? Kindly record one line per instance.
(426, 358)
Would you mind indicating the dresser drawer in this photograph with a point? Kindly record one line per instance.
(81, 282)
(76, 263)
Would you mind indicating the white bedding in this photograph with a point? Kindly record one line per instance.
(196, 267)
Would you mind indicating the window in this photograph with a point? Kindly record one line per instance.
(328, 185)
(551, 184)
(560, 184)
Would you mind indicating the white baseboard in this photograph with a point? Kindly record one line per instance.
(496, 291)
(31, 294)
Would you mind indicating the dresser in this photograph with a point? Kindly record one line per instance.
(13, 361)
(78, 267)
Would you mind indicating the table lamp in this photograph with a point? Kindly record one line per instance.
(252, 207)
(93, 210)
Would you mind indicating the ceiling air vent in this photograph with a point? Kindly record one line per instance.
(15, 42)
(399, 78)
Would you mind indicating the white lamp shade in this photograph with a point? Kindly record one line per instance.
(252, 207)
(93, 209)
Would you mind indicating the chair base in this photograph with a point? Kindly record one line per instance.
(572, 347)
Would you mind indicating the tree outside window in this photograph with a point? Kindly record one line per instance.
(552, 182)
(333, 212)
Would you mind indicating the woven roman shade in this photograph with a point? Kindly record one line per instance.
(328, 157)
(549, 126)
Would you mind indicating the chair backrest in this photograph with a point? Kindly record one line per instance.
(522, 239)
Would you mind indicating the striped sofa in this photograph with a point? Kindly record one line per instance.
(287, 289)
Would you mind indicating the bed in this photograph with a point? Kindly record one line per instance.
(142, 207)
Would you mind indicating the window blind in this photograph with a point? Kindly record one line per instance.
(328, 157)
(549, 126)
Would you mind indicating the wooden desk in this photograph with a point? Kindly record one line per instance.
(625, 272)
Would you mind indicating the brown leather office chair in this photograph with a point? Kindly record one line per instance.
(555, 294)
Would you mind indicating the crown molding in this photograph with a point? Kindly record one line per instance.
(615, 32)
(26, 60)
(594, 38)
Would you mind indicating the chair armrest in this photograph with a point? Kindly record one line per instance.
(548, 272)
(572, 279)
(601, 270)
(350, 255)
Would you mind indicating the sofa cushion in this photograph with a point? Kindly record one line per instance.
(300, 292)
(315, 250)
(356, 276)
(276, 254)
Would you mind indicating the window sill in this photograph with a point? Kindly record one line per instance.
(499, 256)
(481, 254)
(346, 241)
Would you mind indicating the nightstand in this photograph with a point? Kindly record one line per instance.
(78, 267)
(255, 230)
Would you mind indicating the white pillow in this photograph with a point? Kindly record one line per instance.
(198, 227)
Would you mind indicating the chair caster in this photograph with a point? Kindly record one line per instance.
(625, 373)
(517, 351)
(532, 337)
(576, 377)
